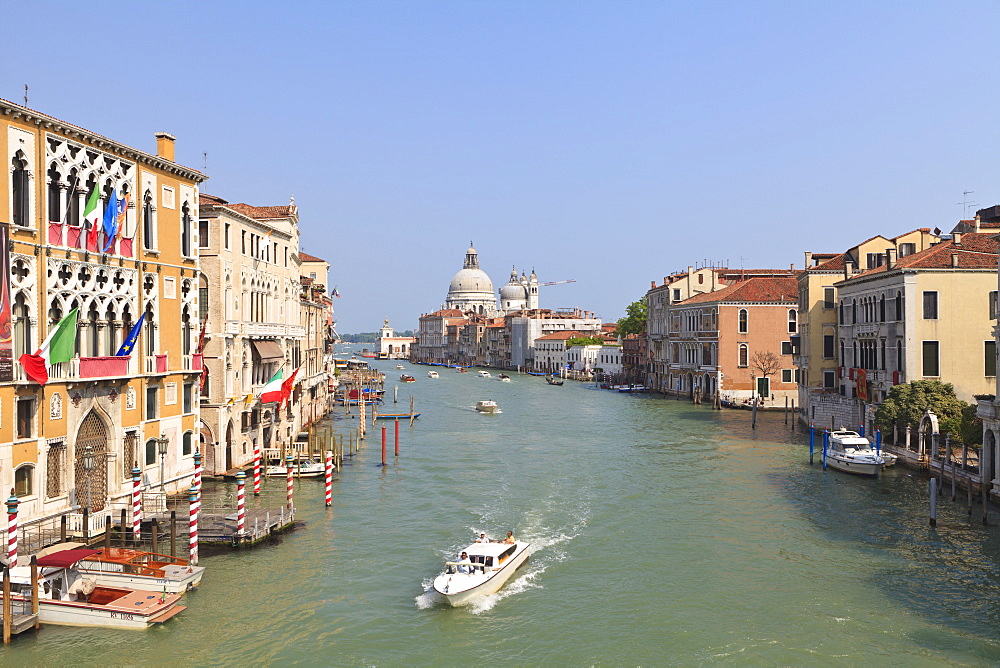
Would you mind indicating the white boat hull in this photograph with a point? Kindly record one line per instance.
(460, 589)
(855, 467)
(178, 584)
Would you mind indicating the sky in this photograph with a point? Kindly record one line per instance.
(606, 142)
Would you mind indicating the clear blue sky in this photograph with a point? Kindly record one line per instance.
(607, 142)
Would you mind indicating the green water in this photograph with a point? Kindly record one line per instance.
(664, 533)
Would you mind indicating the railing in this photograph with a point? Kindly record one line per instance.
(192, 362)
(156, 364)
(867, 329)
(102, 367)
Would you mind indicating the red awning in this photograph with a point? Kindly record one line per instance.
(65, 558)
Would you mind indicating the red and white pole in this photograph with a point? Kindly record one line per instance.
(241, 503)
(329, 478)
(136, 502)
(193, 526)
(256, 469)
(12, 530)
(288, 468)
(197, 472)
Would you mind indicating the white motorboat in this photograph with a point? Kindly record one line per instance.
(503, 378)
(890, 459)
(67, 596)
(133, 569)
(487, 406)
(488, 567)
(400, 366)
(485, 374)
(433, 374)
(852, 453)
(305, 468)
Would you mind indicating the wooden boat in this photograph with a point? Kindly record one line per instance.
(488, 567)
(121, 567)
(552, 380)
(68, 597)
(407, 378)
(395, 416)
(304, 468)
(487, 406)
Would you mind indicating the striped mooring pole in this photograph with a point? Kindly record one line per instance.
(136, 501)
(197, 472)
(329, 478)
(12, 530)
(291, 486)
(193, 526)
(256, 469)
(241, 503)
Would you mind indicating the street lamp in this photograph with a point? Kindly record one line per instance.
(88, 466)
(161, 446)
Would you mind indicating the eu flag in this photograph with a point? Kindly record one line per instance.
(133, 335)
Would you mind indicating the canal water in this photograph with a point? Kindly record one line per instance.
(663, 533)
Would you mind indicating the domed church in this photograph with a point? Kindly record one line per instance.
(472, 290)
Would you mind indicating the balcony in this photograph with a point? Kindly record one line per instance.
(156, 364)
(103, 367)
(867, 329)
(193, 362)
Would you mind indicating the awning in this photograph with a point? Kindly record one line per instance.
(268, 350)
(65, 558)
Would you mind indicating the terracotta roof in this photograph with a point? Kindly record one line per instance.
(561, 336)
(779, 289)
(976, 251)
(444, 313)
(835, 264)
(306, 257)
(210, 200)
(264, 212)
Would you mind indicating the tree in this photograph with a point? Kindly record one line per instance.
(906, 404)
(767, 363)
(634, 321)
(585, 341)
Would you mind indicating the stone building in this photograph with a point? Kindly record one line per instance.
(72, 442)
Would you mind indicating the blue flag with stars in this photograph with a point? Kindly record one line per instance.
(133, 335)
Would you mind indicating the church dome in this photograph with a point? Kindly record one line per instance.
(513, 291)
(471, 280)
(471, 288)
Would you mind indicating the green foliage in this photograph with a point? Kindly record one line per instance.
(972, 427)
(585, 341)
(368, 337)
(906, 404)
(634, 321)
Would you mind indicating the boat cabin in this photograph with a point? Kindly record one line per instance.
(486, 556)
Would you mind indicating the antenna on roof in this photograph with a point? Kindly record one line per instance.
(204, 161)
(965, 203)
(26, 95)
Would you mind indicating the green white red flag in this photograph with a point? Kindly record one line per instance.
(57, 347)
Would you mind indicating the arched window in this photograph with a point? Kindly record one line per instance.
(148, 227)
(73, 202)
(150, 333)
(899, 355)
(793, 321)
(20, 191)
(854, 311)
(150, 452)
(94, 340)
(841, 312)
(109, 331)
(22, 326)
(882, 366)
(843, 360)
(23, 479)
(743, 321)
(186, 443)
(186, 332)
(54, 198)
(203, 298)
(744, 359)
(186, 229)
(899, 305)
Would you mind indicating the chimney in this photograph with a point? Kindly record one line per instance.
(954, 259)
(848, 269)
(653, 285)
(890, 258)
(957, 238)
(165, 145)
(791, 267)
(809, 259)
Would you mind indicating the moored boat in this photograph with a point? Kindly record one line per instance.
(850, 452)
(121, 567)
(395, 416)
(487, 406)
(488, 567)
(69, 597)
(301, 468)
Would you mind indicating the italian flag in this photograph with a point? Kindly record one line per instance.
(272, 391)
(57, 347)
(90, 211)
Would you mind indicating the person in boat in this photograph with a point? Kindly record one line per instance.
(482, 538)
(462, 567)
(510, 540)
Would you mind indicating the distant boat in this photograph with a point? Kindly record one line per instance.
(503, 378)
(407, 378)
(485, 374)
(395, 416)
(552, 380)
(400, 366)
(433, 374)
(487, 406)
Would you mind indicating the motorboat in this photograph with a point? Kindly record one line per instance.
(407, 378)
(484, 374)
(400, 366)
(890, 459)
(301, 468)
(69, 597)
(503, 378)
(487, 406)
(123, 567)
(433, 374)
(552, 380)
(488, 567)
(850, 452)
(462, 369)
